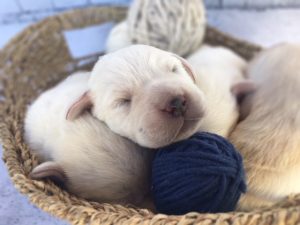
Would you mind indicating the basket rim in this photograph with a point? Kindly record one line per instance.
(115, 213)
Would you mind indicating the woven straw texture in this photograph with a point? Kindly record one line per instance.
(37, 59)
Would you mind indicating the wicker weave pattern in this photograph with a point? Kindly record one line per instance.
(37, 59)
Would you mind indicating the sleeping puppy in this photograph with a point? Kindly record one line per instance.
(220, 75)
(148, 95)
(268, 137)
(84, 155)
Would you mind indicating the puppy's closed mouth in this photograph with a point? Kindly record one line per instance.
(184, 131)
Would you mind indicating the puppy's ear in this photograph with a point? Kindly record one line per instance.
(80, 106)
(187, 67)
(243, 88)
(51, 170)
(245, 107)
(243, 92)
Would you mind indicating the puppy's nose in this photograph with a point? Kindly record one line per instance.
(176, 106)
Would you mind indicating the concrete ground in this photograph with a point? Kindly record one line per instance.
(262, 27)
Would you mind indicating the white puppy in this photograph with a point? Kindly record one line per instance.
(85, 155)
(151, 96)
(220, 75)
(268, 137)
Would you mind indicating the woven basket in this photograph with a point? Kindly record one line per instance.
(39, 58)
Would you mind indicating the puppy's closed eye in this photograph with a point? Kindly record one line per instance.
(174, 69)
(123, 102)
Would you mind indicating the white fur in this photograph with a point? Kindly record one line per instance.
(218, 69)
(268, 138)
(99, 164)
(144, 75)
(118, 37)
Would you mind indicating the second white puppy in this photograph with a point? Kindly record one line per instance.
(85, 155)
(269, 136)
(220, 75)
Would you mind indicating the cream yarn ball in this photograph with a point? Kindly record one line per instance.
(172, 25)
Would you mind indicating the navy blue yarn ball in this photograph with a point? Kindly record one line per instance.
(201, 174)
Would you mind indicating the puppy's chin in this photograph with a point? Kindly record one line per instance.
(189, 128)
(156, 139)
(168, 134)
